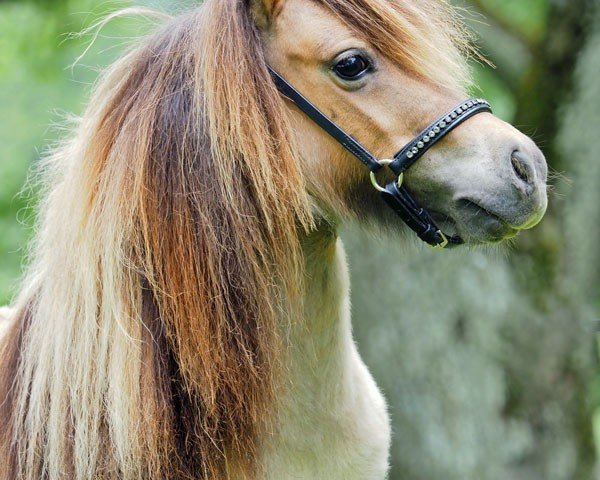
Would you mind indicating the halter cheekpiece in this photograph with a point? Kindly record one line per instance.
(395, 194)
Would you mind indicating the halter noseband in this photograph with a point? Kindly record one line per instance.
(395, 194)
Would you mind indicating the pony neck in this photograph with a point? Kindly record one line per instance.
(318, 367)
(319, 338)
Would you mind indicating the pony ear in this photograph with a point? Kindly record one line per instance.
(264, 11)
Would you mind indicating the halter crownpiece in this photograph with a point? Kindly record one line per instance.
(395, 194)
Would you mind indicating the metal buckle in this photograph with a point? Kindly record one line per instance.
(374, 181)
(444, 244)
(386, 162)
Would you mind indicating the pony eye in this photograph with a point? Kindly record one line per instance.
(352, 67)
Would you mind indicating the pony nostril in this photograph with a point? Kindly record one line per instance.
(523, 168)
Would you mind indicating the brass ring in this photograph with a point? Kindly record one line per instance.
(386, 162)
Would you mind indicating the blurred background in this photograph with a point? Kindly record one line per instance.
(489, 359)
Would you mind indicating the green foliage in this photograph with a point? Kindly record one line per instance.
(38, 86)
(492, 88)
(529, 17)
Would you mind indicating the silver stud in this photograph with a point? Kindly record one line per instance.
(436, 129)
(426, 139)
(453, 115)
(415, 150)
(431, 134)
(420, 145)
(469, 104)
(410, 154)
(459, 110)
(443, 124)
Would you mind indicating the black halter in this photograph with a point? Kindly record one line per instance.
(395, 194)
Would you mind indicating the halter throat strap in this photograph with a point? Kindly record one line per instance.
(395, 194)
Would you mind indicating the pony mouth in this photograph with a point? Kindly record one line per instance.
(475, 224)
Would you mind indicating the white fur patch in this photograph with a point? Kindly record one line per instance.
(5, 316)
(333, 422)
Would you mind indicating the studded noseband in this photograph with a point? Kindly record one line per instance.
(395, 194)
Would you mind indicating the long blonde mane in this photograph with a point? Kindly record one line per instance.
(146, 343)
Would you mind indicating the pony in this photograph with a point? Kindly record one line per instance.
(185, 313)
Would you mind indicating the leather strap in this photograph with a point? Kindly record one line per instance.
(345, 139)
(437, 130)
(416, 217)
